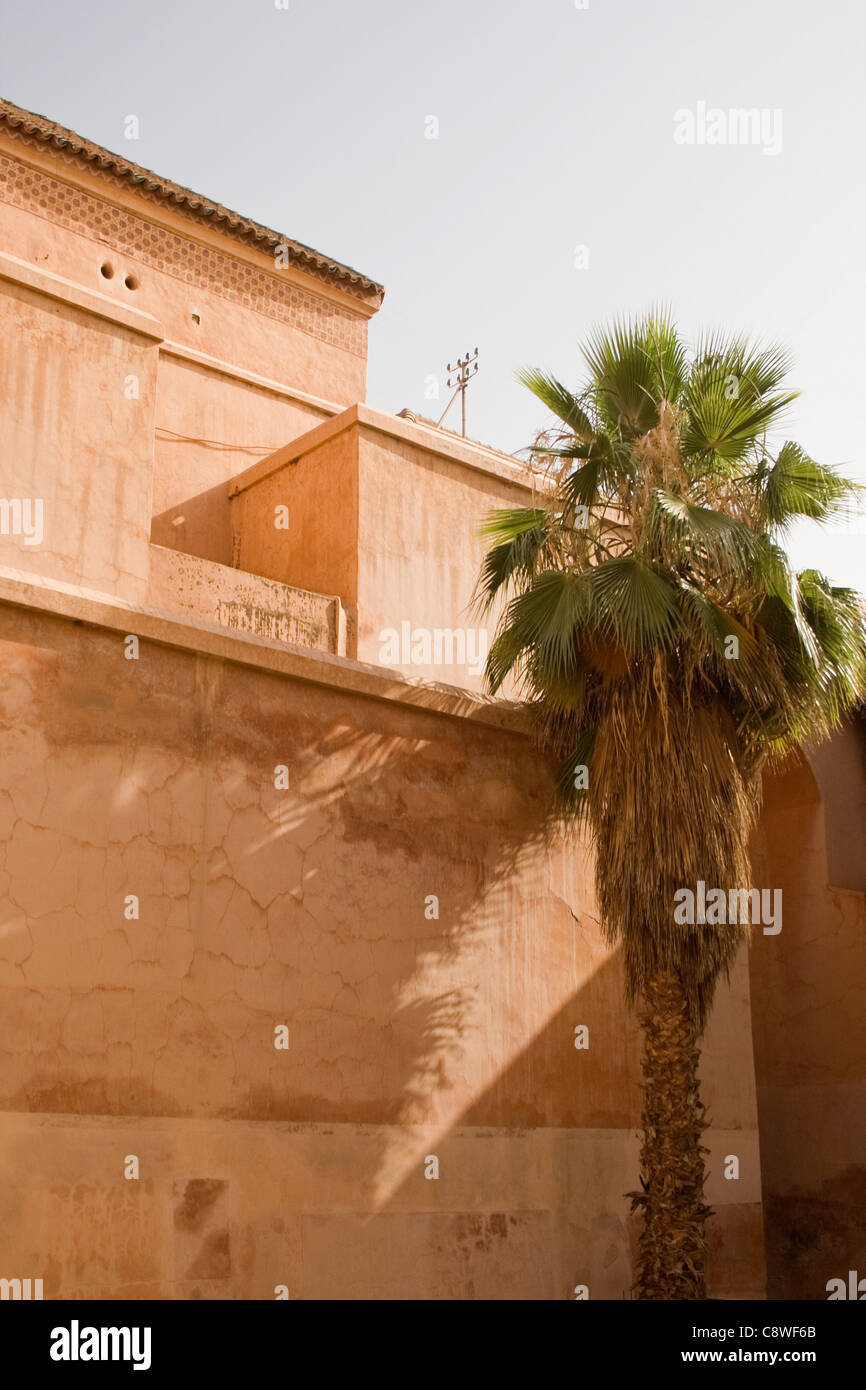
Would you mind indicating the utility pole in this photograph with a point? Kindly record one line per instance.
(459, 377)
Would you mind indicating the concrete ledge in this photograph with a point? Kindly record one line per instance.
(90, 301)
(106, 611)
(263, 383)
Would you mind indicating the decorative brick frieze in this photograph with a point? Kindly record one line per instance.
(35, 191)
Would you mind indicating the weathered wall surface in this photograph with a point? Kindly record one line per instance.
(809, 1023)
(71, 443)
(387, 514)
(210, 427)
(319, 488)
(279, 323)
(839, 769)
(103, 294)
(420, 552)
(409, 1035)
(231, 598)
(150, 363)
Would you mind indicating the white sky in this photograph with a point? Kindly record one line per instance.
(555, 130)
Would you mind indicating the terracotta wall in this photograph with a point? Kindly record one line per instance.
(208, 428)
(410, 1035)
(71, 441)
(280, 323)
(103, 293)
(387, 514)
(318, 487)
(419, 551)
(809, 1022)
(231, 598)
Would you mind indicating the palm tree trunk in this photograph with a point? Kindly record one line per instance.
(672, 1247)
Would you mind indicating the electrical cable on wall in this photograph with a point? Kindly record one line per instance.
(218, 443)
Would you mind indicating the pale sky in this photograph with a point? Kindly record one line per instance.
(555, 131)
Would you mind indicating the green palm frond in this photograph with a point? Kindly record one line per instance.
(718, 626)
(669, 357)
(725, 426)
(545, 619)
(835, 616)
(522, 537)
(634, 605)
(756, 371)
(559, 401)
(591, 484)
(625, 377)
(707, 539)
(797, 486)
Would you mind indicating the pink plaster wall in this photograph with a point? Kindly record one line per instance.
(319, 550)
(809, 1023)
(210, 427)
(419, 551)
(409, 1035)
(67, 219)
(386, 514)
(231, 598)
(72, 440)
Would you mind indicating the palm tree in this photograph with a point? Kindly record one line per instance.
(652, 620)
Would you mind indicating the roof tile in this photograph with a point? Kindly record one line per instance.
(29, 124)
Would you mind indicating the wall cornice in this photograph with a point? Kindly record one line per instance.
(95, 609)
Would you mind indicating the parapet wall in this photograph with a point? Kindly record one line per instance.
(231, 598)
(388, 514)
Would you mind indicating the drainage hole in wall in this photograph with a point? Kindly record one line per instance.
(107, 270)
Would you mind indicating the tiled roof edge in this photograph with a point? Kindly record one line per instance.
(29, 124)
